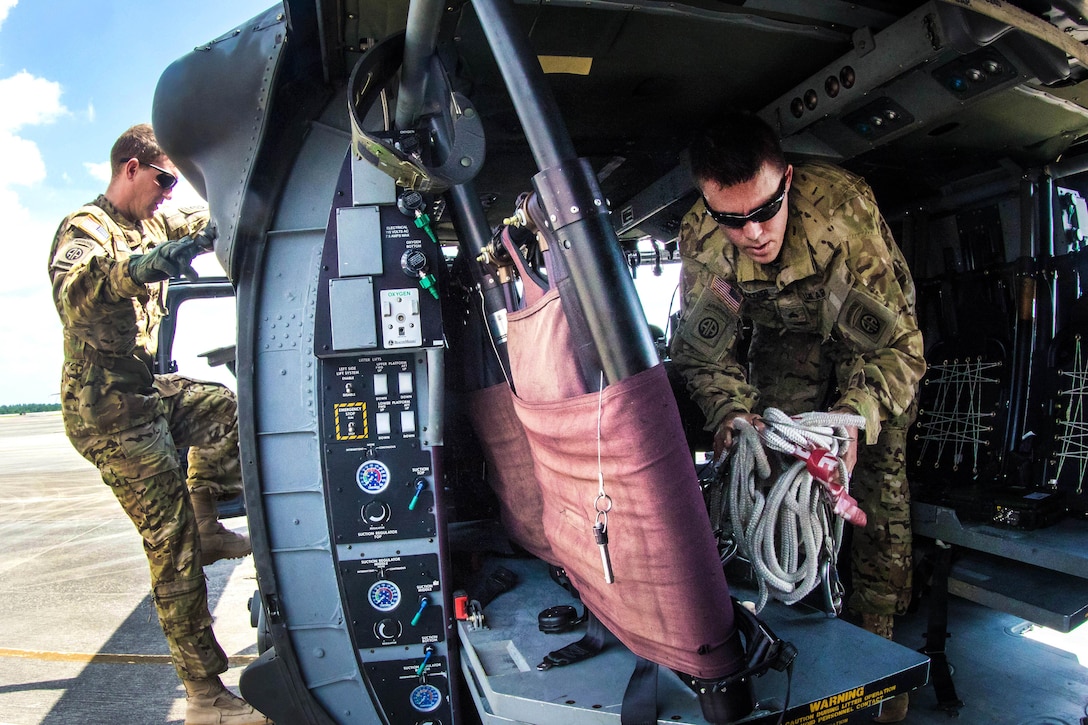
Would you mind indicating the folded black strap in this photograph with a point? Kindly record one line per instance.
(640, 698)
(588, 646)
(495, 583)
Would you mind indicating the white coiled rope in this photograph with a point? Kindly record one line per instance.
(787, 528)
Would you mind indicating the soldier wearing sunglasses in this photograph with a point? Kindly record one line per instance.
(109, 265)
(802, 257)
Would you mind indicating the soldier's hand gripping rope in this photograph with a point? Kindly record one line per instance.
(785, 530)
(820, 440)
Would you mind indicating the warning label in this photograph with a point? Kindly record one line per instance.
(835, 710)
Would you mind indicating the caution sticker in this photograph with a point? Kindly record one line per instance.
(836, 710)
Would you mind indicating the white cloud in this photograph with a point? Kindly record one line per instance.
(5, 8)
(32, 327)
(28, 100)
(23, 162)
(98, 170)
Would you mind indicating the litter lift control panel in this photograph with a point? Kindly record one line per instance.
(379, 340)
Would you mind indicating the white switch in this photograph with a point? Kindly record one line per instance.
(407, 421)
(405, 383)
(381, 384)
(381, 423)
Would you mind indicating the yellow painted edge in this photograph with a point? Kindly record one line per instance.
(105, 657)
(572, 64)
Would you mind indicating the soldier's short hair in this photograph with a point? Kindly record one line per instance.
(733, 148)
(138, 143)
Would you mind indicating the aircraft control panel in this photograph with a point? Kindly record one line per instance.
(378, 340)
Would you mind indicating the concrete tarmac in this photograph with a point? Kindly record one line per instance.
(79, 639)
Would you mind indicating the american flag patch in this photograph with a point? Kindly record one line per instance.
(728, 294)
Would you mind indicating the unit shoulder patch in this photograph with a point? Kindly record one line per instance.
(865, 322)
(711, 326)
(73, 252)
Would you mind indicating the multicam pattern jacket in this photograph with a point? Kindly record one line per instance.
(110, 321)
(840, 276)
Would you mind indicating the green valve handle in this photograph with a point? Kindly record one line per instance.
(420, 485)
(429, 283)
(426, 658)
(423, 602)
(423, 221)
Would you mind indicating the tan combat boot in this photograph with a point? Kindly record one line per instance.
(894, 709)
(216, 541)
(209, 703)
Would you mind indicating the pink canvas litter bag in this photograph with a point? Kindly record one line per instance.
(669, 602)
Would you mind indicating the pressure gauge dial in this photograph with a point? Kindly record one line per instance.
(384, 595)
(426, 698)
(373, 476)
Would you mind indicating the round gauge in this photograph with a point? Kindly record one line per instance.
(373, 476)
(384, 595)
(426, 698)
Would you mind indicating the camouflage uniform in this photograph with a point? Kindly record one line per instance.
(838, 304)
(130, 423)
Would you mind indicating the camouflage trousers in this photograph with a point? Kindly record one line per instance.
(142, 467)
(795, 372)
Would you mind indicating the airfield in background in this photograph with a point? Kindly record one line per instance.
(79, 639)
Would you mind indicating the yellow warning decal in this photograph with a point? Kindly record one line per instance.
(835, 710)
(351, 421)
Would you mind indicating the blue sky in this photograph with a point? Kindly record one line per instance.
(74, 74)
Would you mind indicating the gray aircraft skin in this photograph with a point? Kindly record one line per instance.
(361, 159)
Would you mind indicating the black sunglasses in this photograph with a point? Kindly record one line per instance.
(164, 178)
(758, 215)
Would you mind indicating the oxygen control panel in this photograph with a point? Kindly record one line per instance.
(378, 345)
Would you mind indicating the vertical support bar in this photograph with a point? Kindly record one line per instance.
(937, 633)
(1036, 220)
(420, 38)
(576, 210)
(474, 234)
(529, 90)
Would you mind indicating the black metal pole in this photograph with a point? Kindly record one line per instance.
(474, 234)
(421, 34)
(576, 210)
(1037, 236)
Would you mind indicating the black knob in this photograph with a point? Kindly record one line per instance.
(387, 629)
(410, 202)
(376, 512)
(414, 263)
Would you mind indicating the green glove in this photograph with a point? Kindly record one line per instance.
(170, 259)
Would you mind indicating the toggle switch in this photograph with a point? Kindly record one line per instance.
(427, 652)
(423, 604)
(421, 483)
